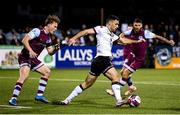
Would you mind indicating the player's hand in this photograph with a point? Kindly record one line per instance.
(57, 46)
(32, 54)
(141, 40)
(171, 42)
(71, 41)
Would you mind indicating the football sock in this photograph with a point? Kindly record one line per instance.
(42, 85)
(123, 81)
(78, 90)
(17, 90)
(129, 81)
(116, 87)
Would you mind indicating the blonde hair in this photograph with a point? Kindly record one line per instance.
(52, 18)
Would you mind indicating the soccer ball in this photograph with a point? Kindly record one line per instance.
(134, 100)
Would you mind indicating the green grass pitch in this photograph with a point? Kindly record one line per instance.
(159, 91)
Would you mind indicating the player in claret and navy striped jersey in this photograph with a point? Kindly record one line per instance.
(134, 54)
(34, 43)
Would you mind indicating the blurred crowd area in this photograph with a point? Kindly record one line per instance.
(159, 16)
(15, 36)
(169, 31)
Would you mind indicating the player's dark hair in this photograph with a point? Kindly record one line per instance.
(112, 17)
(137, 20)
(52, 18)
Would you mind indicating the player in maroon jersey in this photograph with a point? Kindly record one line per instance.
(34, 42)
(134, 54)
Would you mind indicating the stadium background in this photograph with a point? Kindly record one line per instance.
(157, 16)
(158, 88)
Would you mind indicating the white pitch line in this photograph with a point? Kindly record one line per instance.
(104, 81)
(14, 107)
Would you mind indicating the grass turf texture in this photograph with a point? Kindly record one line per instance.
(159, 91)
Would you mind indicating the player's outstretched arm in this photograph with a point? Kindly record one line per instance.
(72, 40)
(170, 42)
(124, 41)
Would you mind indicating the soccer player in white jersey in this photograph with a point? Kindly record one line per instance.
(102, 61)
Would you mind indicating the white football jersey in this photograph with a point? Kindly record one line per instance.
(105, 40)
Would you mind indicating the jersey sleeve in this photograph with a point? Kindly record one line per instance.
(97, 29)
(128, 31)
(148, 34)
(115, 37)
(34, 33)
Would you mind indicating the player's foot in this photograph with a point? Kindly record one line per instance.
(130, 90)
(120, 103)
(13, 102)
(41, 99)
(65, 102)
(110, 92)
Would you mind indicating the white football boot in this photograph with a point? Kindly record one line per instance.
(130, 90)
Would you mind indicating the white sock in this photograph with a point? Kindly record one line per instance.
(42, 86)
(78, 90)
(17, 90)
(117, 91)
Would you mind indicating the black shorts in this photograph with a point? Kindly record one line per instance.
(100, 64)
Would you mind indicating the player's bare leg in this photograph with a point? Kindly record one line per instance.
(78, 90)
(113, 75)
(24, 73)
(131, 88)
